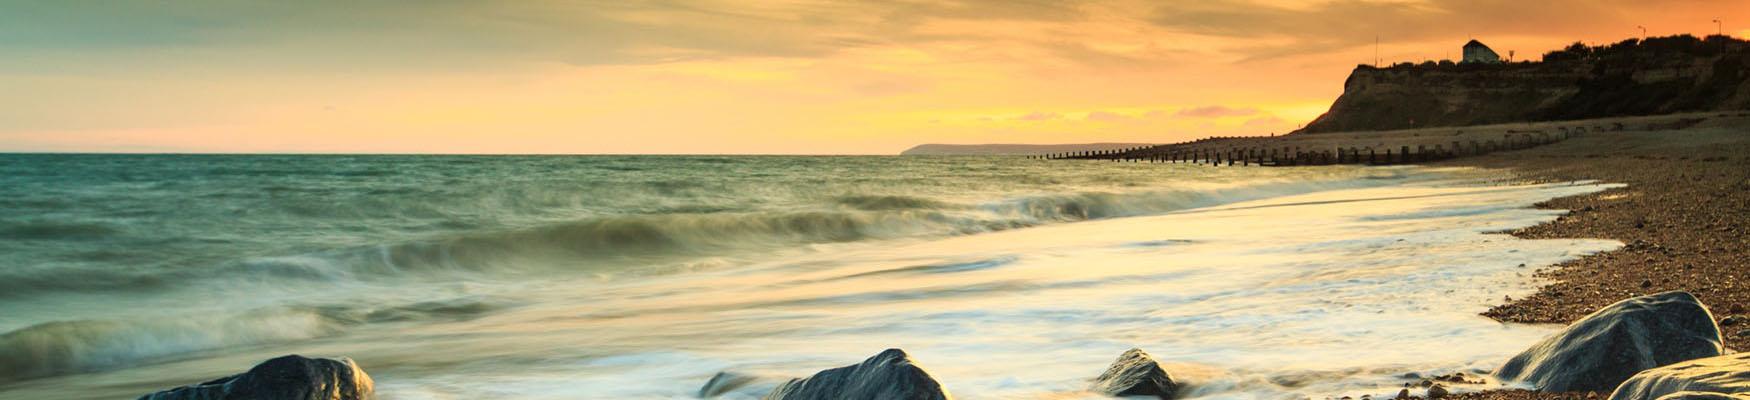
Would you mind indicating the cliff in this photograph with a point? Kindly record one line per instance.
(1634, 77)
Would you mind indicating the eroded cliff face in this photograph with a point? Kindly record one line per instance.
(1629, 78)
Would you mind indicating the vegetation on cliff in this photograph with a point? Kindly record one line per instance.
(1633, 77)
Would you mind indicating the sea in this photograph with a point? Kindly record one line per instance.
(640, 277)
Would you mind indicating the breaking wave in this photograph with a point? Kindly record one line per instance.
(61, 347)
(641, 239)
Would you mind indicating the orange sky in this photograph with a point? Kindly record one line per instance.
(685, 76)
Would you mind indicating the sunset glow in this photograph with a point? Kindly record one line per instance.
(727, 77)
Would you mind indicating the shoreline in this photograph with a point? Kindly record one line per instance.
(1683, 217)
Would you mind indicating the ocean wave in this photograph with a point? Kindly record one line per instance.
(618, 242)
(602, 241)
(886, 203)
(60, 347)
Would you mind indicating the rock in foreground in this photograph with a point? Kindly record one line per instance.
(1602, 350)
(1708, 378)
(1135, 374)
(889, 375)
(285, 378)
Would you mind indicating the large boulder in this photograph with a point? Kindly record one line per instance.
(1135, 374)
(1602, 350)
(891, 375)
(290, 377)
(1714, 377)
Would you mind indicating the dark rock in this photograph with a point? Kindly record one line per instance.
(1457, 377)
(1438, 391)
(1135, 373)
(1601, 350)
(1403, 394)
(290, 377)
(1731, 321)
(889, 375)
(1707, 378)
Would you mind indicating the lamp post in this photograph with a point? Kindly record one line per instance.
(1643, 32)
(1719, 28)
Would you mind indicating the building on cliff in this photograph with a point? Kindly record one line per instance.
(1634, 77)
(1477, 52)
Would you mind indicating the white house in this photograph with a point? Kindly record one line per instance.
(1477, 52)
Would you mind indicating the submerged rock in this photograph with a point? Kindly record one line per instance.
(722, 383)
(891, 375)
(744, 385)
(1602, 350)
(1707, 378)
(1135, 374)
(290, 377)
(1438, 391)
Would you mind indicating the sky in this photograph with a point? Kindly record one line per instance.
(731, 76)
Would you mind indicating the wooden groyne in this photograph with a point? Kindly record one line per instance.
(1298, 150)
